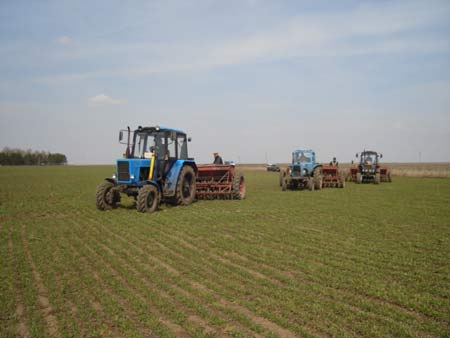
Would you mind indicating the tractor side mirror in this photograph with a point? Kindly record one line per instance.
(381, 155)
(356, 155)
(189, 139)
(120, 136)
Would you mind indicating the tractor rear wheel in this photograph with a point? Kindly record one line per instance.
(239, 189)
(106, 197)
(148, 199)
(185, 190)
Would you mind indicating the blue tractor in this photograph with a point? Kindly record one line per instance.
(155, 168)
(303, 173)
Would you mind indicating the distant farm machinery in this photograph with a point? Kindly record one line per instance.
(304, 172)
(369, 169)
(219, 181)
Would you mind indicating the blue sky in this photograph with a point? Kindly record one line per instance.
(251, 79)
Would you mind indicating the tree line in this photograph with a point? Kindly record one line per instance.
(28, 157)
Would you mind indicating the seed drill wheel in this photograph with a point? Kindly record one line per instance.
(341, 182)
(239, 189)
(318, 182)
(358, 178)
(284, 184)
(377, 179)
(185, 191)
(106, 197)
(148, 199)
(310, 184)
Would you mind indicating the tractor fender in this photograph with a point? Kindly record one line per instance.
(170, 184)
(112, 180)
(148, 182)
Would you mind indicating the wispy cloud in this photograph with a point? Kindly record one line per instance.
(376, 28)
(102, 99)
(64, 40)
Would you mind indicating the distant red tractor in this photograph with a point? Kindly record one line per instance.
(369, 169)
(219, 181)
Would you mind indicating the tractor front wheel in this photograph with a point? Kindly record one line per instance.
(148, 199)
(106, 196)
(185, 191)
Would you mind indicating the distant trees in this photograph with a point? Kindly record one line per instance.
(10, 156)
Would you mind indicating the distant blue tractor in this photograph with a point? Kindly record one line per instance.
(155, 168)
(303, 173)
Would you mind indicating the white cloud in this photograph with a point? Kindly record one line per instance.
(64, 40)
(102, 99)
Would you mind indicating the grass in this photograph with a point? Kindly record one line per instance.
(366, 260)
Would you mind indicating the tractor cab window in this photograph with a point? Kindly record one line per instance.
(171, 148)
(302, 158)
(182, 147)
(143, 143)
(368, 159)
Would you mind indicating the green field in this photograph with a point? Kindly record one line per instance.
(367, 260)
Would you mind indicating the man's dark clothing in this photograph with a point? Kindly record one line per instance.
(218, 160)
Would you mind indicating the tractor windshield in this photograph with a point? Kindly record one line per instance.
(143, 143)
(368, 158)
(302, 157)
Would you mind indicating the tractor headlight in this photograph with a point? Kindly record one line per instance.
(113, 176)
(304, 171)
(132, 176)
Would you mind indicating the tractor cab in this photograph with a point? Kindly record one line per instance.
(150, 154)
(303, 162)
(368, 163)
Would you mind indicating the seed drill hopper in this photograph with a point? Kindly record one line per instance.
(219, 181)
(332, 177)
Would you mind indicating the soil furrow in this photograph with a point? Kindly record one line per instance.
(44, 304)
(220, 299)
(175, 328)
(22, 328)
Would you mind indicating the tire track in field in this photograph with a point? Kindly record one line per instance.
(359, 297)
(201, 323)
(193, 283)
(356, 308)
(22, 328)
(398, 307)
(221, 300)
(44, 303)
(90, 296)
(106, 289)
(194, 317)
(178, 330)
